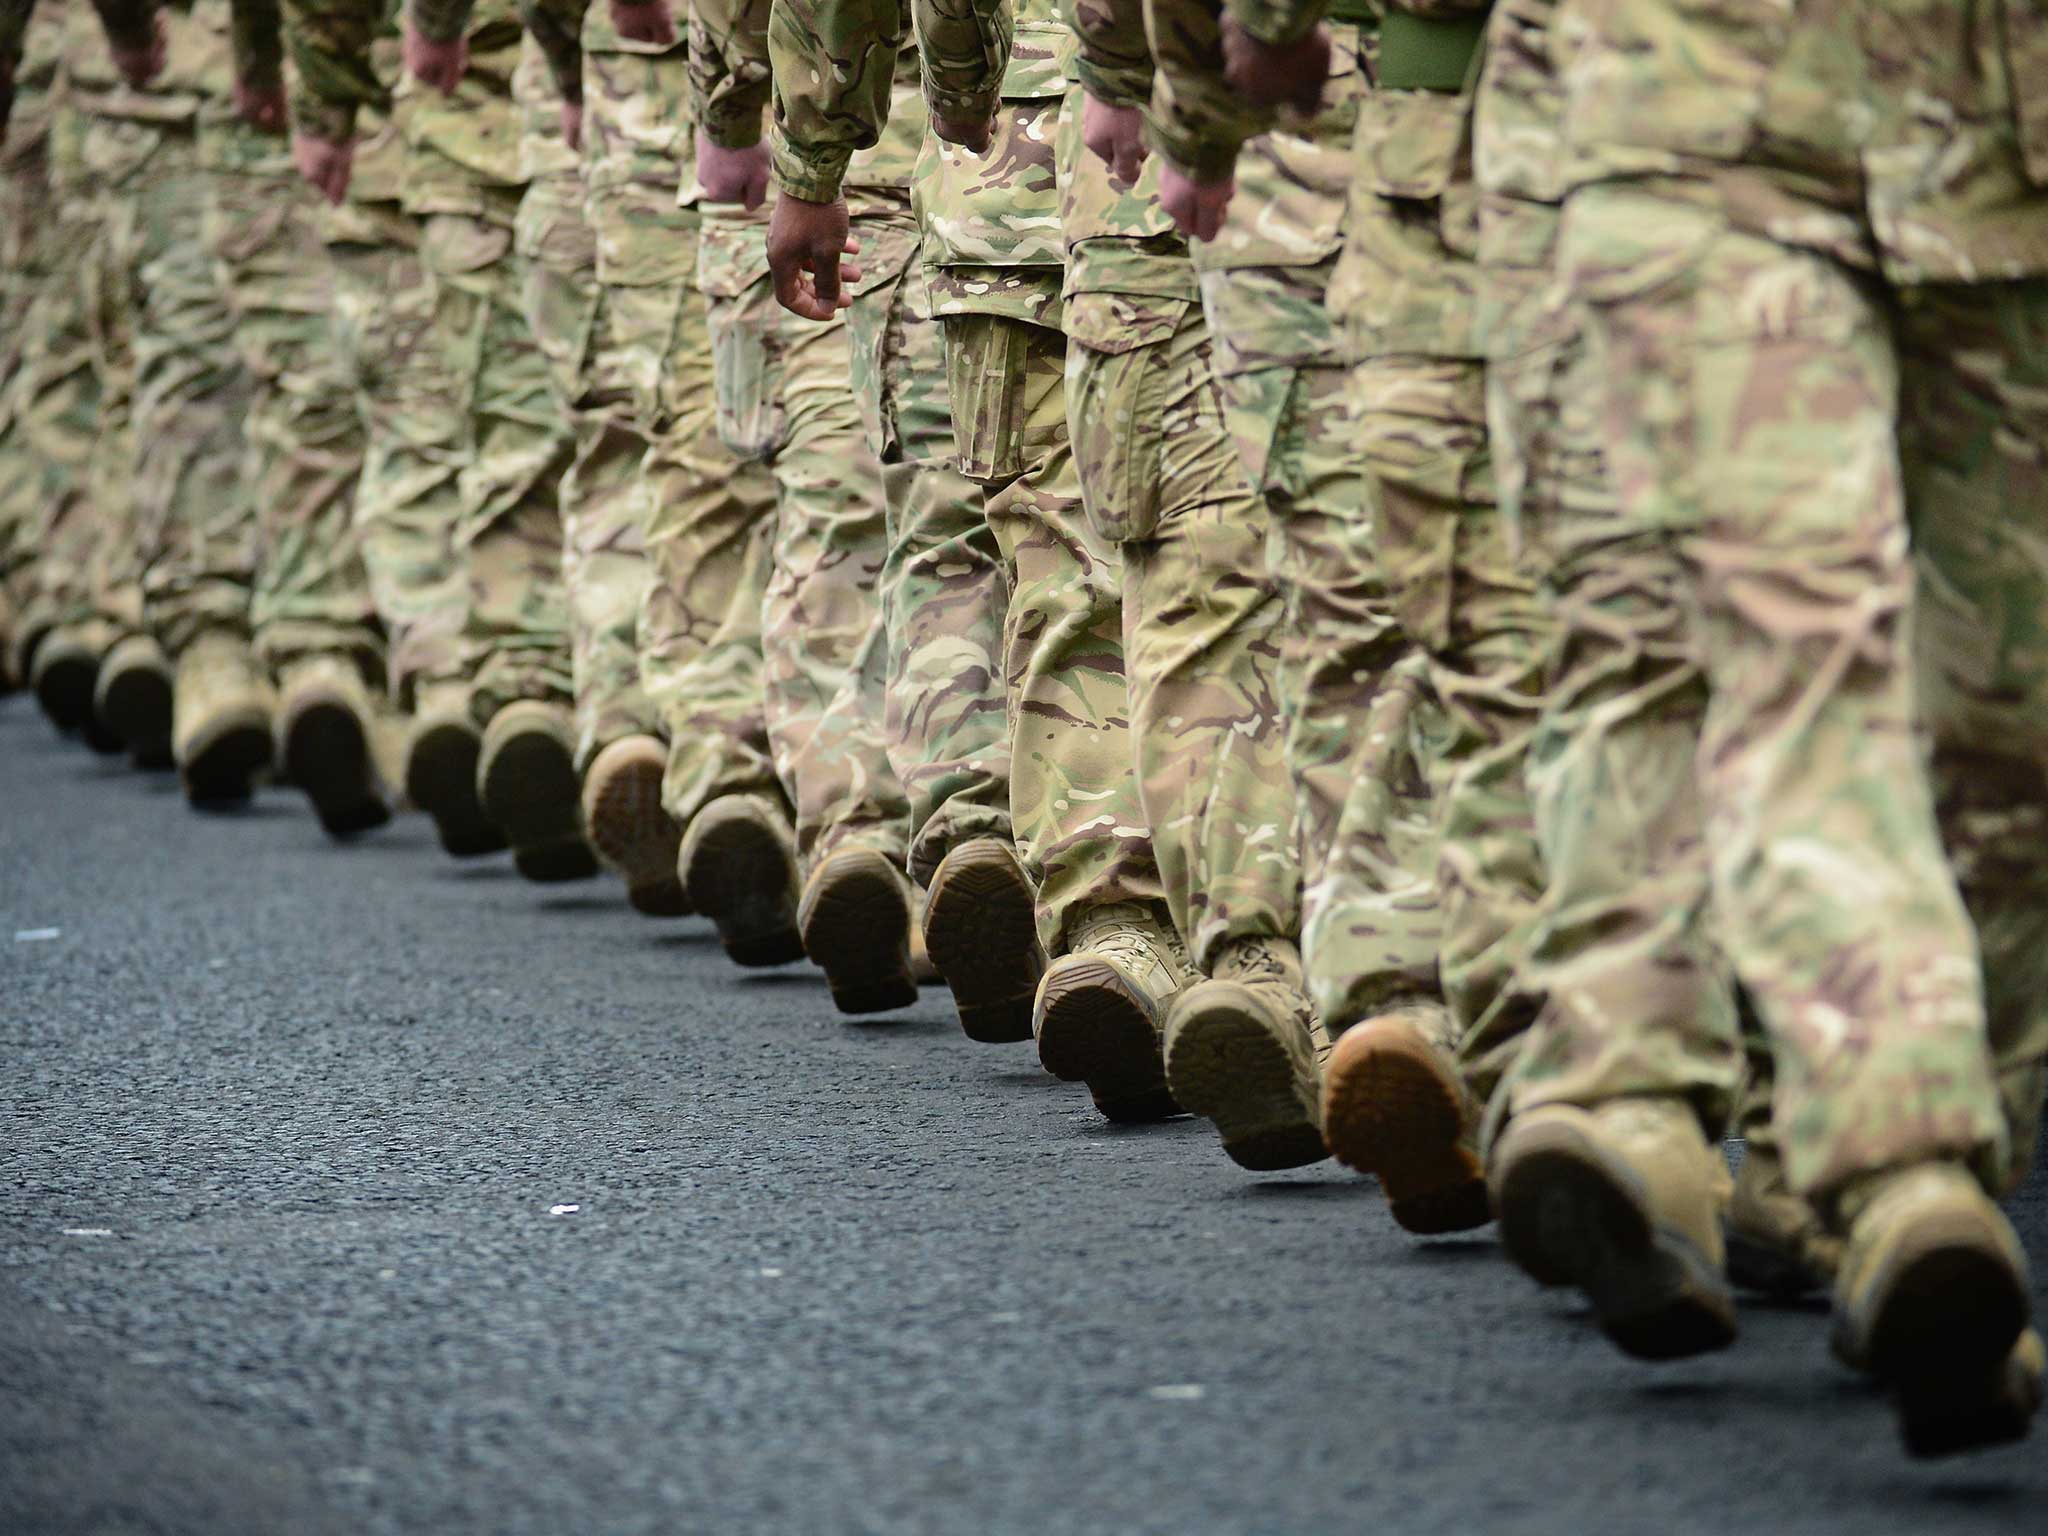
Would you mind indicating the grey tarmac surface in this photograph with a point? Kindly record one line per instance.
(358, 1190)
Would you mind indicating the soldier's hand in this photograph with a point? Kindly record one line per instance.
(260, 106)
(1116, 137)
(441, 65)
(805, 243)
(644, 21)
(139, 66)
(324, 163)
(572, 123)
(732, 175)
(972, 134)
(1197, 208)
(1269, 76)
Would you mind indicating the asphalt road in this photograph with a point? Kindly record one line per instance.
(357, 1190)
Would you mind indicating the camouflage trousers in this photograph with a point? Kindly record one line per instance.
(1075, 809)
(947, 752)
(605, 571)
(1362, 724)
(415, 441)
(512, 641)
(55, 423)
(1202, 617)
(33, 233)
(303, 436)
(1820, 648)
(783, 401)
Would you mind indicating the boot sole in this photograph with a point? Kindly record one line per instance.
(1221, 1064)
(738, 876)
(1094, 1029)
(221, 767)
(1760, 1266)
(856, 929)
(136, 708)
(327, 754)
(1568, 1218)
(1948, 1312)
(633, 834)
(440, 778)
(981, 931)
(530, 792)
(1390, 1111)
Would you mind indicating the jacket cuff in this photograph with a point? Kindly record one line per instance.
(963, 106)
(815, 177)
(1278, 22)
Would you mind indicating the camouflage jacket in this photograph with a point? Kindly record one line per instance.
(464, 147)
(31, 43)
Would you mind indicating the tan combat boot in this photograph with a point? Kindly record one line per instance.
(1624, 1202)
(738, 864)
(132, 700)
(220, 718)
(526, 782)
(441, 754)
(855, 921)
(63, 674)
(327, 733)
(628, 827)
(1933, 1299)
(981, 930)
(1395, 1106)
(1100, 1018)
(1777, 1243)
(1241, 1052)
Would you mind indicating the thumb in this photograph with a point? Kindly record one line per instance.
(756, 192)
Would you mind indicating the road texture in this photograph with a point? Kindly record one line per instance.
(357, 1190)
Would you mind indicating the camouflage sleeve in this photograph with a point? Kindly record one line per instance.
(256, 30)
(965, 47)
(130, 25)
(329, 42)
(1115, 61)
(442, 21)
(833, 62)
(1196, 122)
(1277, 21)
(557, 27)
(729, 69)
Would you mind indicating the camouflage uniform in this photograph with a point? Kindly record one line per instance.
(604, 560)
(34, 234)
(1161, 478)
(1356, 693)
(56, 401)
(1796, 359)
(945, 585)
(992, 256)
(782, 399)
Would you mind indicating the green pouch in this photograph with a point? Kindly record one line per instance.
(1423, 53)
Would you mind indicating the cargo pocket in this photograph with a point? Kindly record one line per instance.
(746, 341)
(1117, 393)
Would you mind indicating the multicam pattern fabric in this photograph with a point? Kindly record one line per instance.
(1786, 434)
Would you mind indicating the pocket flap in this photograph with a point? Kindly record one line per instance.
(1121, 322)
(1411, 143)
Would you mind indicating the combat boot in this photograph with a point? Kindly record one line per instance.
(981, 930)
(628, 827)
(526, 782)
(738, 864)
(441, 754)
(1932, 1298)
(220, 718)
(132, 700)
(1241, 1052)
(1100, 1018)
(62, 675)
(327, 728)
(1395, 1106)
(1624, 1202)
(1777, 1243)
(855, 921)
